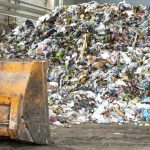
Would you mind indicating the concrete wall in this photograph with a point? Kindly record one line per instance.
(42, 3)
(3, 19)
(50, 4)
(132, 2)
(70, 2)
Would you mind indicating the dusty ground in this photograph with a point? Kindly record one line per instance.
(92, 137)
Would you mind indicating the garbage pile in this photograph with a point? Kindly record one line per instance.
(100, 61)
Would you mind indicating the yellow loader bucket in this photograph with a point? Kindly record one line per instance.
(23, 101)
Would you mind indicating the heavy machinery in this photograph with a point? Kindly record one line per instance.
(23, 101)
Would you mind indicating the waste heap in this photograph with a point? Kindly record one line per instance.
(100, 61)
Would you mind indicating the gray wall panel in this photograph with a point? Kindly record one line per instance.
(132, 2)
(70, 2)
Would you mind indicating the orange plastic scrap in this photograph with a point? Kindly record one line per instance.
(23, 101)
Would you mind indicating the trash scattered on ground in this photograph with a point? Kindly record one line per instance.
(118, 133)
(100, 61)
(147, 124)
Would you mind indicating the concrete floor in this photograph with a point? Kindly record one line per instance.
(91, 137)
